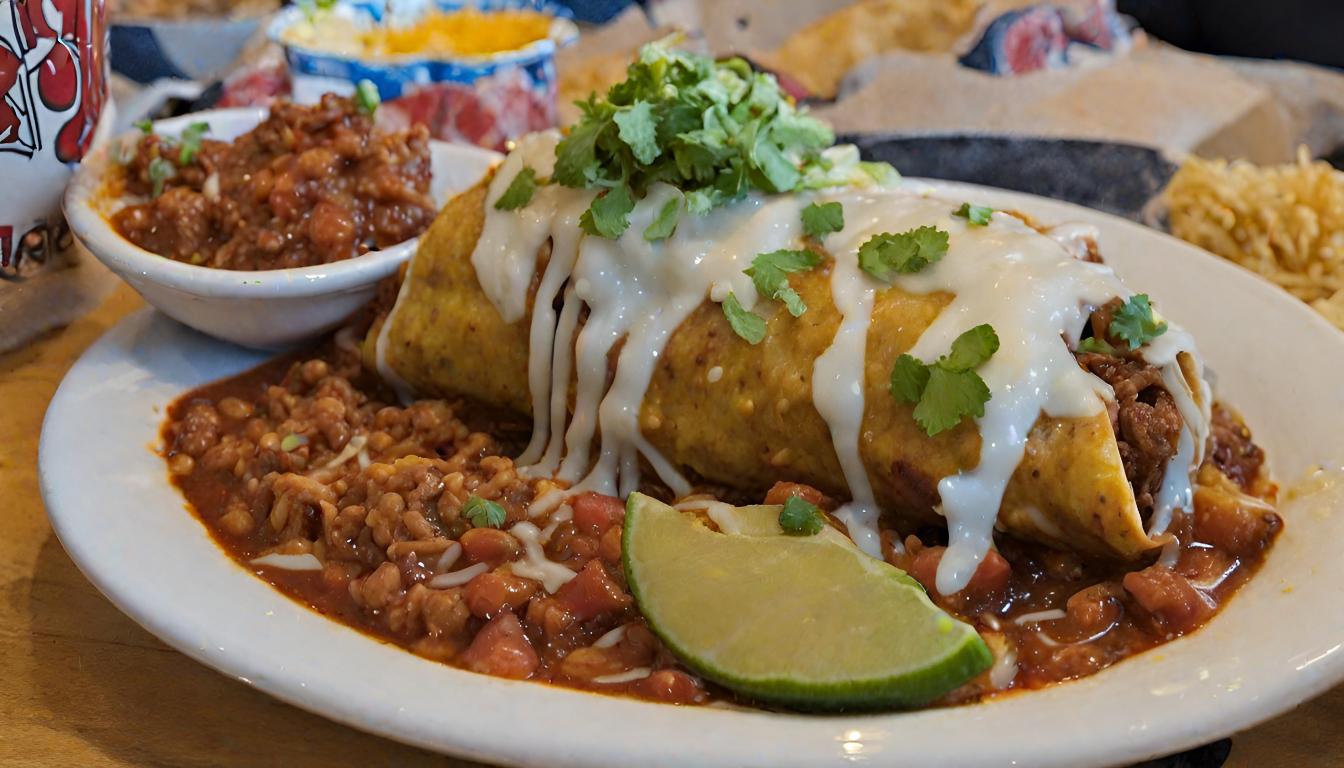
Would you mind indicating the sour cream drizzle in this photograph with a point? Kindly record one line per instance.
(1028, 286)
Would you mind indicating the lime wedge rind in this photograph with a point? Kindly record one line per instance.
(900, 679)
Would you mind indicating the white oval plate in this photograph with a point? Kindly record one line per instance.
(1276, 644)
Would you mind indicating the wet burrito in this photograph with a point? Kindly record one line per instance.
(741, 324)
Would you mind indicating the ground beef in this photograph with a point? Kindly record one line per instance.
(1231, 449)
(1146, 421)
(309, 185)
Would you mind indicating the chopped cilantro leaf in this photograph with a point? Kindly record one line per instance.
(1099, 346)
(971, 349)
(609, 215)
(823, 218)
(639, 130)
(800, 517)
(977, 215)
(948, 390)
(948, 397)
(747, 324)
(484, 513)
(909, 377)
(665, 223)
(1134, 323)
(159, 171)
(520, 191)
(145, 126)
(190, 142)
(769, 271)
(367, 98)
(885, 255)
(292, 442)
(716, 130)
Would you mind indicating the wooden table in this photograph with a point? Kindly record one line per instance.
(82, 685)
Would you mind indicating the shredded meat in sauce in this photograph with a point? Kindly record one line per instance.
(309, 185)
(306, 456)
(1144, 416)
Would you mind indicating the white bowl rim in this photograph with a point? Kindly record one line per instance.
(95, 230)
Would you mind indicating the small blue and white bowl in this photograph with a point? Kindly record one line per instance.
(485, 100)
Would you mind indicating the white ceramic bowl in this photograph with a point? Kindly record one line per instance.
(267, 309)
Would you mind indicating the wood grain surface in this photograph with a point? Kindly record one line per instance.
(82, 685)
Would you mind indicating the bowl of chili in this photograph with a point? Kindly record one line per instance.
(272, 230)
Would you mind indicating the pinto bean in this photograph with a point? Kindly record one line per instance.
(490, 545)
(501, 649)
(1169, 598)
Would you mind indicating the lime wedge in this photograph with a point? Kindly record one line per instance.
(805, 622)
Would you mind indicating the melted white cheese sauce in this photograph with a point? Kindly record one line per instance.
(1028, 286)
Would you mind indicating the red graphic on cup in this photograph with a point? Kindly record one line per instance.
(53, 75)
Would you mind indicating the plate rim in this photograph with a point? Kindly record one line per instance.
(488, 743)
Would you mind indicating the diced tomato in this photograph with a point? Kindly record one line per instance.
(1169, 598)
(991, 576)
(492, 592)
(781, 492)
(594, 513)
(501, 649)
(592, 593)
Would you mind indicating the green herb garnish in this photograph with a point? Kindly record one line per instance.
(665, 223)
(886, 255)
(366, 97)
(160, 171)
(484, 513)
(800, 517)
(823, 218)
(1099, 346)
(520, 191)
(976, 215)
(745, 323)
(292, 442)
(715, 130)
(948, 390)
(190, 142)
(146, 126)
(769, 271)
(609, 215)
(1133, 322)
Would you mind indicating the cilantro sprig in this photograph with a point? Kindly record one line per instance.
(823, 218)
(715, 130)
(886, 255)
(949, 389)
(1098, 346)
(1134, 324)
(800, 517)
(190, 142)
(975, 215)
(745, 323)
(519, 192)
(484, 513)
(770, 271)
(160, 171)
(367, 97)
(665, 223)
